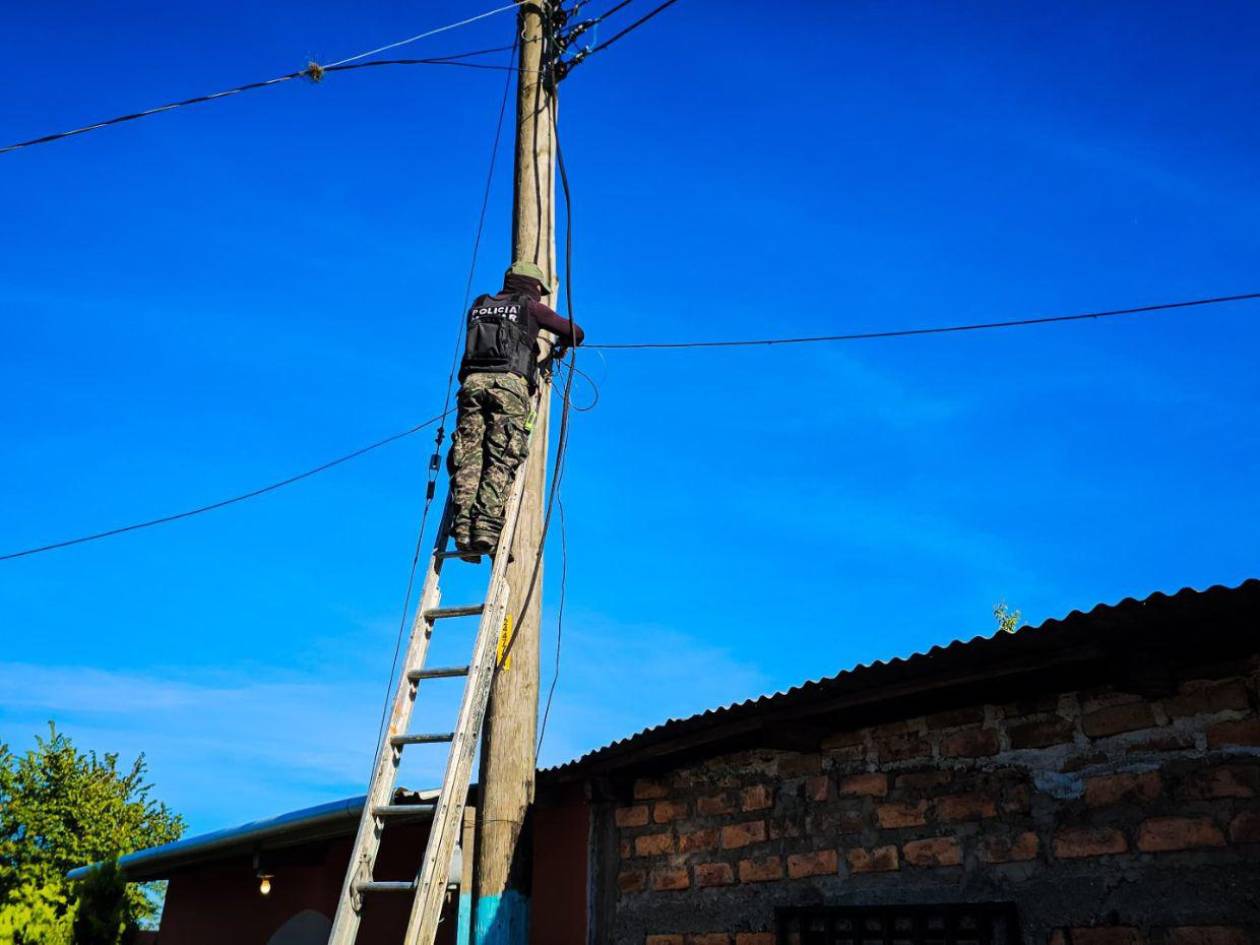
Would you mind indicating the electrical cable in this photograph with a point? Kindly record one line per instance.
(253, 493)
(909, 332)
(313, 71)
(435, 459)
(562, 438)
(629, 29)
(564, 580)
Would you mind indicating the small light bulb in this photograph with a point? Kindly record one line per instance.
(264, 887)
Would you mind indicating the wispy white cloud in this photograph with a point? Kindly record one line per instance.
(223, 749)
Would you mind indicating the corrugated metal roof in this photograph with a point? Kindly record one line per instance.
(1130, 613)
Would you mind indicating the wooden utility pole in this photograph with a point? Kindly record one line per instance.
(501, 910)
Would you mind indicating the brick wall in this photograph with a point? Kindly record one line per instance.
(1108, 818)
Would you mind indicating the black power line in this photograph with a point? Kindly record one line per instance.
(942, 330)
(629, 29)
(222, 503)
(313, 71)
(436, 459)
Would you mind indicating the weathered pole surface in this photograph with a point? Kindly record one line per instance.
(501, 912)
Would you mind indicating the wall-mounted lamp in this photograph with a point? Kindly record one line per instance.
(264, 879)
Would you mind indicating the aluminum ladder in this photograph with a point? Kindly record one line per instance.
(429, 887)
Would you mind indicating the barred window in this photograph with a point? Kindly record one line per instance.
(953, 924)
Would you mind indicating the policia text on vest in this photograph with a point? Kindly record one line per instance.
(498, 377)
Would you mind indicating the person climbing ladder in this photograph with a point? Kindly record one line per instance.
(498, 377)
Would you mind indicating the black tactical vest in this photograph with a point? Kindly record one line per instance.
(502, 338)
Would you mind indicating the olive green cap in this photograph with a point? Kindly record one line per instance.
(529, 270)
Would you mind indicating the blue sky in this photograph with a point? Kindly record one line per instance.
(208, 300)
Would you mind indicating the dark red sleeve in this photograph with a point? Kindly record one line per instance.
(557, 324)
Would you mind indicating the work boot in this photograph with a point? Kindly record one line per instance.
(461, 533)
(484, 545)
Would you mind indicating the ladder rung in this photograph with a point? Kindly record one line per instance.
(468, 610)
(400, 740)
(446, 555)
(398, 810)
(438, 672)
(384, 887)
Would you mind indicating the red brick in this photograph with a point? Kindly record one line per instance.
(1041, 733)
(877, 860)
(1161, 741)
(872, 784)
(919, 782)
(799, 766)
(848, 756)
(632, 881)
(649, 790)
(664, 940)
(714, 874)
(740, 835)
(1242, 732)
(934, 851)
(819, 863)
(695, 840)
(754, 938)
(1094, 699)
(900, 814)
(715, 806)
(760, 869)
(670, 879)
(1162, 834)
(757, 797)
(1039, 705)
(653, 844)
(1108, 789)
(956, 807)
(1223, 781)
(709, 938)
(842, 740)
(1075, 842)
(970, 743)
(901, 748)
(1107, 935)
(791, 826)
(636, 816)
(1245, 828)
(1084, 760)
(1206, 935)
(666, 812)
(900, 727)
(1204, 696)
(626, 849)
(1118, 718)
(829, 821)
(998, 849)
(955, 718)
(1018, 799)
(818, 788)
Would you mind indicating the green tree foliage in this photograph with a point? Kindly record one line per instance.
(102, 916)
(1007, 620)
(61, 808)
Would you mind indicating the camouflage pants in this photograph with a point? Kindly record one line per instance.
(489, 444)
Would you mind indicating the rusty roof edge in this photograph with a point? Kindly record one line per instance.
(1054, 634)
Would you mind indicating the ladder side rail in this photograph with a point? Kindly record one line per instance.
(426, 909)
(431, 882)
(367, 840)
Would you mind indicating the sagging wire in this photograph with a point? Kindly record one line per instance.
(435, 461)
